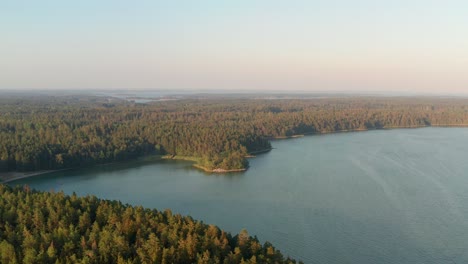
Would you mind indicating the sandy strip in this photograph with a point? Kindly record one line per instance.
(14, 175)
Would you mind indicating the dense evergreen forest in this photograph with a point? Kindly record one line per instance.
(41, 227)
(53, 132)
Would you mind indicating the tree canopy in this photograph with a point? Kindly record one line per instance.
(59, 132)
(43, 227)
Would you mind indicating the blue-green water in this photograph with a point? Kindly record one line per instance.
(393, 196)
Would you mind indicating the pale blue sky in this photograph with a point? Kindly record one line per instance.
(328, 45)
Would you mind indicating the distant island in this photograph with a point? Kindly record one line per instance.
(218, 134)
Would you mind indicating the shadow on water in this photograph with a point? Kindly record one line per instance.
(92, 171)
(228, 175)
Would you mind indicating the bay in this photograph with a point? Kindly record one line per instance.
(384, 196)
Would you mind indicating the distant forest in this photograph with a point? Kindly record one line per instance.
(50, 132)
(42, 227)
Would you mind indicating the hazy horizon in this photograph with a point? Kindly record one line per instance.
(364, 46)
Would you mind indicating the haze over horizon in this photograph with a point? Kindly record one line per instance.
(318, 46)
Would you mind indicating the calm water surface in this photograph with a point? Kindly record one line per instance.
(394, 196)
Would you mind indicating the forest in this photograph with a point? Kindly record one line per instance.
(47, 227)
(55, 132)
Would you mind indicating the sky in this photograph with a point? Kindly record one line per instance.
(418, 46)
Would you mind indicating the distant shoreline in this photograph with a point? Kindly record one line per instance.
(6, 177)
(365, 129)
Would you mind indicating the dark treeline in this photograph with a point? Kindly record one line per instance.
(61, 132)
(41, 227)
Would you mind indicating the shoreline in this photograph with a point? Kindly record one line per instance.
(198, 166)
(217, 170)
(6, 177)
(365, 129)
(254, 153)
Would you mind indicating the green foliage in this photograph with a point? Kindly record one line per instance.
(55, 228)
(62, 132)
